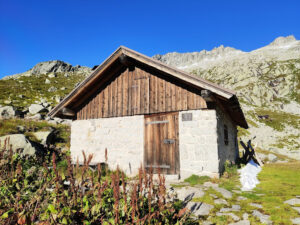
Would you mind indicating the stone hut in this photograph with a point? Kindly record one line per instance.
(147, 113)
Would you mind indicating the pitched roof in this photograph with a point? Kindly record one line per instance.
(223, 93)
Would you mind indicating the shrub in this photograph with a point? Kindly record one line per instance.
(32, 193)
(194, 179)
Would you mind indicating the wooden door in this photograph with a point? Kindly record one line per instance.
(161, 143)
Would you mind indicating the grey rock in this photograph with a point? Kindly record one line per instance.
(236, 207)
(8, 112)
(297, 209)
(213, 195)
(58, 120)
(220, 201)
(47, 81)
(21, 129)
(233, 208)
(210, 184)
(19, 142)
(262, 156)
(7, 102)
(63, 88)
(233, 216)
(52, 89)
(199, 208)
(245, 216)
(45, 137)
(36, 108)
(188, 193)
(256, 205)
(226, 194)
(241, 198)
(35, 117)
(67, 122)
(52, 75)
(57, 98)
(293, 201)
(45, 104)
(296, 220)
(272, 157)
(265, 219)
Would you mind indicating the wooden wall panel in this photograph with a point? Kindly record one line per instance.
(137, 91)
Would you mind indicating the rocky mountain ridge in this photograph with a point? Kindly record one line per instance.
(52, 66)
(266, 80)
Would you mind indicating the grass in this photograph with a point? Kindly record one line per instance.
(10, 126)
(276, 120)
(278, 183)
(289, 141)
(33, 88)
(194, 179)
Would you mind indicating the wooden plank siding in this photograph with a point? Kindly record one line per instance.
(136, 91)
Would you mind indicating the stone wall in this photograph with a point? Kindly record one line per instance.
(201, 142)
(229, 151)
(122, 136)
(198, 144)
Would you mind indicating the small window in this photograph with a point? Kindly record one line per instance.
(225, 135)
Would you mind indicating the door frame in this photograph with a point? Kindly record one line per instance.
(176, 150)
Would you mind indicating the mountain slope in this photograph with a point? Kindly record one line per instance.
(266, 80)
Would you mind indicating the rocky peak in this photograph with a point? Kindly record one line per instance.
(283, 41)
(52, 66)
(55, 66)
(203, 57)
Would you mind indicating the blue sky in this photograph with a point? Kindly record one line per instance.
(85, 32)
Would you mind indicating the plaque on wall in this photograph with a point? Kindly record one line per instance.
(187, 116)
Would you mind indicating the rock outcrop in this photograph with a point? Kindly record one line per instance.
(18, 142)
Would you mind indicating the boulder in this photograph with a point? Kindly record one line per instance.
(21, 129)
(47, 81)
(293, 201)
(296, 220)
(272, 157)
(52, 89)
(52, 75)
(265, 219)
(188, 193)
(19, 142)
(36, 108)
(45, 137)
(35, 117)
(199, 208)
(8, 112)
(226, 194)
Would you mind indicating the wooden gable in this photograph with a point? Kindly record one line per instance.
(129, 83)
(138, 90)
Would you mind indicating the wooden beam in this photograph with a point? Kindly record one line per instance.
(67, 112)
(207, 95)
